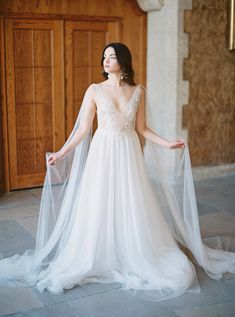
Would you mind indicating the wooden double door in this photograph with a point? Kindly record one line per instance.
(48, 66)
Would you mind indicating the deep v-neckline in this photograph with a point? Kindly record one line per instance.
(113, 105)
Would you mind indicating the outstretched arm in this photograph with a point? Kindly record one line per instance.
(84, 127)
(149, 134)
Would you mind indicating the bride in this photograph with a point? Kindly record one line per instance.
(109, 210)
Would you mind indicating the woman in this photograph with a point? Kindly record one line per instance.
(100, 218)
(118, 87)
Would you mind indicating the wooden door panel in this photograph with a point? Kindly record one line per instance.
(84, 41)
(23, 50)
(35, 97)
(43, 48)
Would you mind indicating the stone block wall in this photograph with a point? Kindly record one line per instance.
(210, 68)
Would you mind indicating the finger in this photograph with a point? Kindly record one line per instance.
(52, 161)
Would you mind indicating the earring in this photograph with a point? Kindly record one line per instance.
(122, 76)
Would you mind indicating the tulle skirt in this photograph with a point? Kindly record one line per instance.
(118, 232)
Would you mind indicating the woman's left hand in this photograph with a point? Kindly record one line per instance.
(178, 144)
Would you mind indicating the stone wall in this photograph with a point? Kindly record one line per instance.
(210, 115)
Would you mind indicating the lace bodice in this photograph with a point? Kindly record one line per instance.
(113, 120)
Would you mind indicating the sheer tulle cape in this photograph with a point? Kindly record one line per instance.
(173, 186)
(171, 176)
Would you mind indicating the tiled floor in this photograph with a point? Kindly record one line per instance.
(18, 223)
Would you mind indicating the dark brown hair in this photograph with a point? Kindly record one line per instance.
(124, 59)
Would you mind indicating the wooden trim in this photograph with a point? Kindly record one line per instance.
(4, 108)
(52, 16)
(59, 90)
(11, 100)
(68, 57)
(115, 28)
(23, 181)
(29, 23)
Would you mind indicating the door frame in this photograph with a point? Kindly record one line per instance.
(3, 110)
(3, 88)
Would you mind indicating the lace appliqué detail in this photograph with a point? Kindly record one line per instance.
(110, 119)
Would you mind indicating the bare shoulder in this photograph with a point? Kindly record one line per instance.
(102, 83)
(90, 92)
(91, 87)
(142, 90)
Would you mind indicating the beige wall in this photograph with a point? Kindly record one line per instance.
(210, 115)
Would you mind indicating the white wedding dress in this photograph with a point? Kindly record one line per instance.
(119, 232)
(116, 229)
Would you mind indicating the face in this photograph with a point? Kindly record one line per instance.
(110, 62)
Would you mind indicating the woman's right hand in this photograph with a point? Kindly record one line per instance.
(178, 144)
(54, 158)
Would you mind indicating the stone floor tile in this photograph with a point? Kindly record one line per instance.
(204, 209)
(205, 191)
(17, 199)
(217, 310)
(30, 224)
(229, 279)
(59, 310)
(14, 238)
(17, 299)
(229, 284)
(220, 200)
(212, 292)
(37, 192)
(18, 212)
(216, 224)
(48, 298)
(217, 182)
(118, 304)
(228, 189)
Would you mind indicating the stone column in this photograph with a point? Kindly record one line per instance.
(166, 47)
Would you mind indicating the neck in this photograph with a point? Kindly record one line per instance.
(115, 80)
